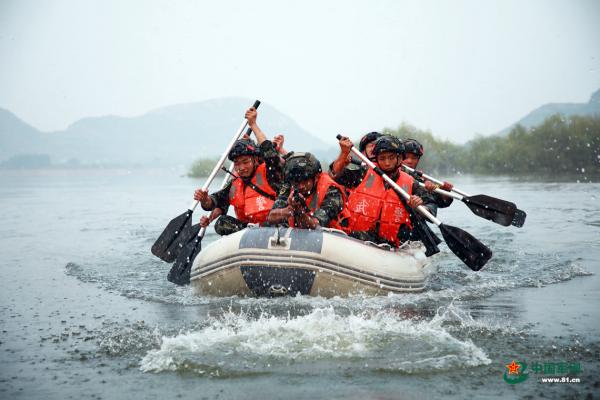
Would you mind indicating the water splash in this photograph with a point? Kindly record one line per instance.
(411, 345)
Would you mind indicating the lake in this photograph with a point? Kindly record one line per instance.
(86, 311)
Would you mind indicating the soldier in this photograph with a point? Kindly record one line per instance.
(377, 213)
(309, 198)
(345, 166)
(413, 151)
(253, 191)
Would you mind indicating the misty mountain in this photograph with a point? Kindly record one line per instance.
(537, 116)
(16, 136)
(173, 135)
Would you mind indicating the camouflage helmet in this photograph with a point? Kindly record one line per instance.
(368, 138)
(413, 146)
(388, 143)
(301, 166)
(243, 147)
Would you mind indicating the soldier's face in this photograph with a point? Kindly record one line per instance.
(306, 186)
(410, 160)
(369, 150)
(388, 161)
(244, 166)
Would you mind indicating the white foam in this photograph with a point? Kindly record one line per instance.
(321, 334)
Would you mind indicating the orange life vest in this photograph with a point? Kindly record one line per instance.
(370, 202)
(249, 205)
(313, 202)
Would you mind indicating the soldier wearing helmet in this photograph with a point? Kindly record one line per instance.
(254, 189)
(346, 170)
(376, 211)
(413, 151)
(310, 198)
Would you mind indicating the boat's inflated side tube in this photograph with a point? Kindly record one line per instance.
(273, 261)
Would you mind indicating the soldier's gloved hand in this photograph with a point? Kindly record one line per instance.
(204, 221)
(415, 201)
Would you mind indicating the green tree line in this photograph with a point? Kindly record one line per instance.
(560, 145)
(202, 167)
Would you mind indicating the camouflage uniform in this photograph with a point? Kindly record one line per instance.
(226, 225)
(332, 204)
(412, 146)
(441, 201)
(351, 175)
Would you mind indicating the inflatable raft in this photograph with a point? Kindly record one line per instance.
(269, 261)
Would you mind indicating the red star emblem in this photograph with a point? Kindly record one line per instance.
(513, 368)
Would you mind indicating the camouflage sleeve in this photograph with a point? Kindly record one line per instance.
(442, 201)
(352, 175)
(428, 198)
(282, 196)
(220, 198)
(330, 207)
(273, 163)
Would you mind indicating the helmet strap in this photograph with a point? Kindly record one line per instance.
(314, 185)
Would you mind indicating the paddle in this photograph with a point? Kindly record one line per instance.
(179, 230)
(180, 271)
(493, 209)
(466, 247)
(519, 218)
(497, 210)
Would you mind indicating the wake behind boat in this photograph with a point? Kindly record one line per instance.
(270, 261)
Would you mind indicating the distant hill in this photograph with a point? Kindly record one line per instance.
(539, 115)
(16, 136)
(173, 135)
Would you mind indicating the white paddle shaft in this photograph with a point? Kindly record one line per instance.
(434, 180)
(443, 192)
(221, 161)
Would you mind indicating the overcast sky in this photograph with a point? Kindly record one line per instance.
(454, 67)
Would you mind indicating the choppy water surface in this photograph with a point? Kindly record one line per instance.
(86, 311)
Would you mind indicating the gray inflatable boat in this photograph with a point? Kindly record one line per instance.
(269, 261)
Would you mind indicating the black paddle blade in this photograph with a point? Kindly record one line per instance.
(470, 250)
(519, 218)
(187, 235)
(180, 271)
(499, 211)
(173, 237)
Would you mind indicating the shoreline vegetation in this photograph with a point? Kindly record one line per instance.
(559, 146)
(203, 167)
